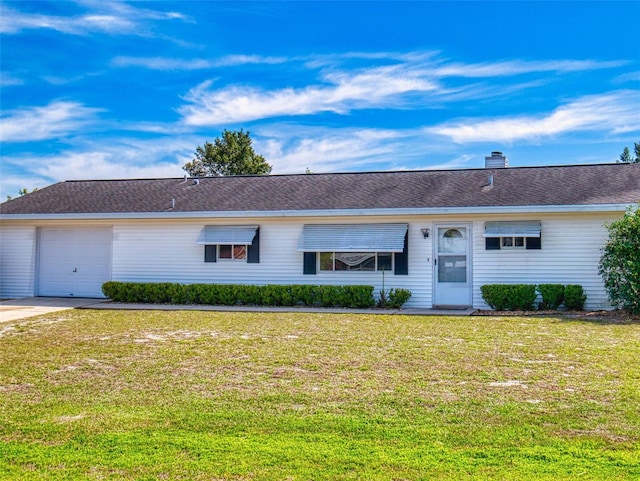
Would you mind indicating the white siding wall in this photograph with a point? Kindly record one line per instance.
(17, 261)
(168, 252)
(570, 254)
(165, 250)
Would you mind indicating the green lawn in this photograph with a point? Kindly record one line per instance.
(246, 396)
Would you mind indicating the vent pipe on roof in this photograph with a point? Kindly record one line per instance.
(496, 161)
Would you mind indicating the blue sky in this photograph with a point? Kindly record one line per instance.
(97, 89)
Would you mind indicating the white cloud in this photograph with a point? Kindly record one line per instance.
(615, 112)
(110, 159)
(104, 17)
(389, 80)
(165, 63)
(8, 80)
(39, 123)
(342, 91)
(519, 67)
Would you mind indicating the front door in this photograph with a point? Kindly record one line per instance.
(452, 275)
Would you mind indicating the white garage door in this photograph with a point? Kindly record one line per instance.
(73, 262)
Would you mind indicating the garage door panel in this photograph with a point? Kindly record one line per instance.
(74, 262)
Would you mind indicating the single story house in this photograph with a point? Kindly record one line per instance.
(440, 233)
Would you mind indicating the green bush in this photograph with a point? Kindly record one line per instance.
(509, 297)
(552, 296)
(233, 294)
(620, 261)
(398, 297)
(574, 297)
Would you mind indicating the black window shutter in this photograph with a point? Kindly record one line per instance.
(534, 242)
(309, 263)
(253, 250)
(210, 253)
(492, 243)
(401, 259)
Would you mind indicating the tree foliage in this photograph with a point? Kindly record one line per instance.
(230, 154)
(620, 261)
(626, 156)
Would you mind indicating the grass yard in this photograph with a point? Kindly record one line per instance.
(245, 396)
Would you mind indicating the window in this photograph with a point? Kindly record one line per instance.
(355, 261)
(512, 242)
(354, 247)
(231, 243)
(232, 252)
(513, 235)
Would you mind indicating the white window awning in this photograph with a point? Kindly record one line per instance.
(353, 238)
(529, 228)
(227, 234)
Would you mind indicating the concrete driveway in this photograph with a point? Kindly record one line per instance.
(13, 309)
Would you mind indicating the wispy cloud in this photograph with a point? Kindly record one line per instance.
(56, 120)
(103, 17)
(614, 112)
(341, 92)
(390, 80)
(8, 80)
(520, 67)
(166, 63)
(112, 158)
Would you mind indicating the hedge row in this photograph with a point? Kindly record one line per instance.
(233, 294)
(522, 297)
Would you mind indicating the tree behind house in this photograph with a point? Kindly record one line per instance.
(231, 154)
(626, 157)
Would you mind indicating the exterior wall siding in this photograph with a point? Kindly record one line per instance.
(570, 254)
(166, 250)
(17, 261)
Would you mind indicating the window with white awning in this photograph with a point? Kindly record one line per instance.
(354, 247)
(230, 242)
(513, 235)
(353, 238)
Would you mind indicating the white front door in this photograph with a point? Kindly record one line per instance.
(452, 274)
(73, 262)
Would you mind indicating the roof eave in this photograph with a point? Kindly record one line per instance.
(515, 209)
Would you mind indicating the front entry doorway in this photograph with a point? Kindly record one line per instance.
(452, 276)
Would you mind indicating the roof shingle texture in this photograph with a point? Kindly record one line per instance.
(522, 186)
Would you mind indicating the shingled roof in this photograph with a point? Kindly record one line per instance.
(578, 185)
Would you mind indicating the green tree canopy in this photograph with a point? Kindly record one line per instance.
(620, 261)
(626, 156)
(230, 154)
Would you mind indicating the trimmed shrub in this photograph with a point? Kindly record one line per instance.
(233, 294)
(509, 297)
(552, 296)
(574, 297)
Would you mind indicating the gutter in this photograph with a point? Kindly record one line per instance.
(431, 211)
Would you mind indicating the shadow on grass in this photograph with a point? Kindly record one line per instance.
(595, 317)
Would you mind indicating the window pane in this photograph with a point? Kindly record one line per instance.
(452, 269)
(239, 252)
(451, 241)
(507, 242)
(326, 261)
(355, 261)
(518, 241)
(384, 261)
(225, 252)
